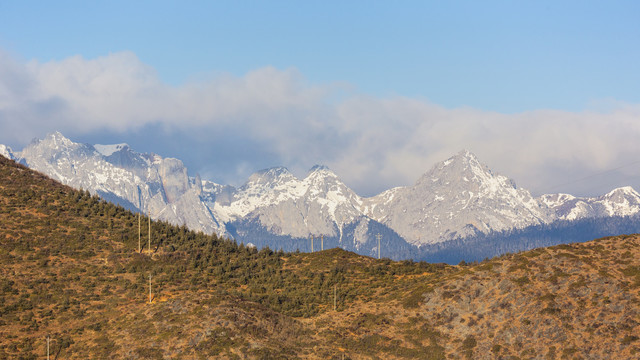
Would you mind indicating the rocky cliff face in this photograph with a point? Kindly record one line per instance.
(142, 182)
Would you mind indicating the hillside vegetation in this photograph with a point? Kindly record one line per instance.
(71, 270)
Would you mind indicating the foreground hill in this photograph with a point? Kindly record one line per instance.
(71, 269)
(570, 301)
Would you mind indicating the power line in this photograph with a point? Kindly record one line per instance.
(590, 189)
(592, 176)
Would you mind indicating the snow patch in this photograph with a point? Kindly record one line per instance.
(108, 150)
(6, 152)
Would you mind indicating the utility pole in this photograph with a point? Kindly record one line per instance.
(149, 232)
(378, 236)
(322, 242)
(149, 288)
(311, 243)
(48, 347)
(335, 296)
(139, 235)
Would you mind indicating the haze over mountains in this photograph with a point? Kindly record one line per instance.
(457, 198)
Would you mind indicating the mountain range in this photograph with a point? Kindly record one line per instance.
(458, 198)
(76, 284)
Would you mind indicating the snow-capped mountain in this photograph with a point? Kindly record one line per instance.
(6, 152)
(319, 204)
(458, 197)
(142, 182)
(622, 201)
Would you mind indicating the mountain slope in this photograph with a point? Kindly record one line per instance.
(71, 269)
(458, 197)
(143, 182)
(573, 301)
(484, 246)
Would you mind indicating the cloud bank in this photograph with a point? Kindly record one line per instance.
(272, 115)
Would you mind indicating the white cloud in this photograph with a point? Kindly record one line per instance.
(371, 143)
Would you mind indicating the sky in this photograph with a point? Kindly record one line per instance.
(545, 92)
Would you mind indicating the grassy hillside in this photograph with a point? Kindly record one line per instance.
(71, 270)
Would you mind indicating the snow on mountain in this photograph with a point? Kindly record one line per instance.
(556, 200)
(141, 182)
(264, 188)
(81, 166)
(622, 201)
(319, 204)
(6, 152)
(107, 150)
(456, 198)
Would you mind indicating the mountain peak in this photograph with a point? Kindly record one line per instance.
(56, 135)
(321, 172)
(462, 160)
(57, 139)
(464, 153)
(275, 171)
(317, 168)
(54, 145)
(270, 175)
(464, 156)
(622, 191)
(462, 166)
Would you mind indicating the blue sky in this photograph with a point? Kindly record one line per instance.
(460, 74)
(507, 56)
